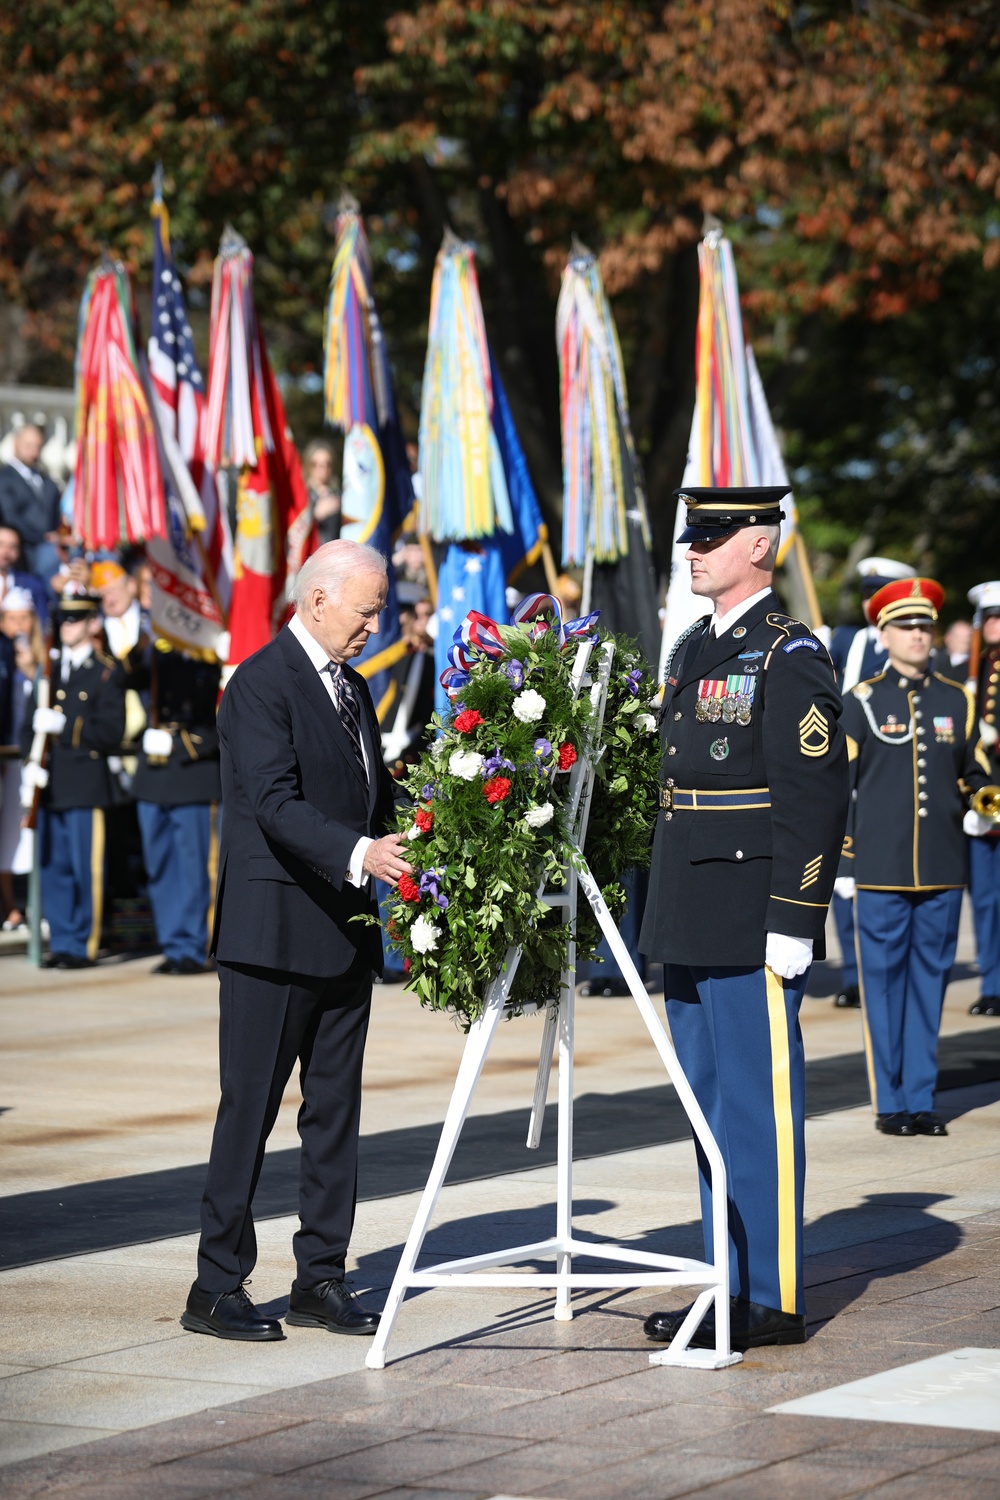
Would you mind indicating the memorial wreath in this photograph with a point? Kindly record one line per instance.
(491, 809)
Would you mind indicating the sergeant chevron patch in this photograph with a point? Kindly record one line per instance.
(810, 875)
(814, 733)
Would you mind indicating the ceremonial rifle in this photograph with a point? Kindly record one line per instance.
(39, 753)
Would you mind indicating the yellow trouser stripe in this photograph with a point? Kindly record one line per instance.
(96, 881)
(866, 1034)
(781, 1090)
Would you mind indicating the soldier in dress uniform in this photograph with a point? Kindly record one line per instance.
(984, 833)
(753, 806)
(915, 757)
(86, 722)
(177, 787)
(858, 652)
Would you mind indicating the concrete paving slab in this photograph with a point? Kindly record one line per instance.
(960, 1388)
(20, 1440)
(84, 1399)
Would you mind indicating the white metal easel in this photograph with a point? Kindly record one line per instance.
(650, 1270)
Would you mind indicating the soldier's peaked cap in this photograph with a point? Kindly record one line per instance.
(715, 513)
(905, 600)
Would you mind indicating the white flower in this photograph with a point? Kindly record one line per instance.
(537, 817)
(529, 706)
(646, 722)
(437, 748)
(413, 832)
(466, 764)
(424, 935)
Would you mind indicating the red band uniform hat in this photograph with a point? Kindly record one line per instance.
(904, 602)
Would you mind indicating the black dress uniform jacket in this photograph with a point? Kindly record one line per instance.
(986, 707)
(295, 803)
(915, 756)
(94, 705)
(756, 712)
(187, 692)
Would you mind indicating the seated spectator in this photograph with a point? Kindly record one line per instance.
(13, 575)
(29, 499)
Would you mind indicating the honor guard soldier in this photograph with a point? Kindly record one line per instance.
(984, 832)
(915, 757)
(857, 653)
(85, 724)
(753, 804)
(177, 787)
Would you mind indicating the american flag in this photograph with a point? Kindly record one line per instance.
(192, 568)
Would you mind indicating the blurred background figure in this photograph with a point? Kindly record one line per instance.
(20, 626)
(952, 660)
(29, 499)
(324, 490)
(14, 575)
(984, 833)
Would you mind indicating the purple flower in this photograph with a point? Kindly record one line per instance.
(515, 673)
(457, 706)
(429, 887)
(632, 682)
(495, 763)
(543, 749)
(427, 791)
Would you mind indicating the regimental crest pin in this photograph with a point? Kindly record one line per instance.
(739, 632)
(719, 749)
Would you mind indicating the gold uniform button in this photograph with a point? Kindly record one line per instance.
(921, 812)
(60, 693)
(677, 715)
(83, 696)
(672, 750)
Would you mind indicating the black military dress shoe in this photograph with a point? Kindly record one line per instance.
(166, 966)
(751, 1326)
(978, 1007)
(900, 1123)
(849, 998)
(231, 1316)
(928, 1122)
(188, 966)
(330, 1305)
(991, 1006)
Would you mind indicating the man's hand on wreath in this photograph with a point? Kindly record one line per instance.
(384, 859)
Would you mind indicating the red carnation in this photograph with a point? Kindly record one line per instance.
(567, 755)
(406, 966)
(467, 720)
(408, 888)
(496, 789)
(424, 820)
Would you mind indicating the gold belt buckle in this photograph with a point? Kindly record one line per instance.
(667, 798)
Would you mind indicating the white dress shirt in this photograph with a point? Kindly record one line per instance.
(721, 623)
(320, 660)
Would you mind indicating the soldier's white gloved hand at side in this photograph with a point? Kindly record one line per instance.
(33, 777)
(48, 721)
(844, 886)
(158, 742)
(976, 825)
(788, 957)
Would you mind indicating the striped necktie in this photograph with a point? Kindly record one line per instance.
(347, 707)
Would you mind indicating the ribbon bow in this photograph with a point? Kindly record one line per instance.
(479, 636)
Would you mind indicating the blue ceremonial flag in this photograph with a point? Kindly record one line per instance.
(471, 577)
(377, 491)
(523, 546)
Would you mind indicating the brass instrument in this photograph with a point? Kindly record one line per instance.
(986, 802)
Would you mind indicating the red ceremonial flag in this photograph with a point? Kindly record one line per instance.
(247, 436)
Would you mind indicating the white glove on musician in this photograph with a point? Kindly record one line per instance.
(788, 957)
(158, 742)
(844, 886)
(48, 721)
(975, 825)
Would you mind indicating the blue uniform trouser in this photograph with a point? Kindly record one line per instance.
(843, 916)
(736, 1033)
(71, 866)
(906, 947)
(177, 848)
(984, 892)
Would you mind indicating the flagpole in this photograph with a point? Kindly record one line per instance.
(806, 580)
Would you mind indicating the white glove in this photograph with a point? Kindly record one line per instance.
(158, 742)
(33, 776)
(48, 721)
(788, 957)
(844, 886)
(975, 825)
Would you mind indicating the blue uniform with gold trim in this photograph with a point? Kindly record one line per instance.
(753, 806)
(915, 756)
(984, 851)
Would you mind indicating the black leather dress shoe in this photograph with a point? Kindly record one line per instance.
(188, 966)
(167, 966)
(849, 998)
(751, 1326)
(978, 1007)
(72, 961)
(898, 1124)
(330, 1305)
(54, 961)
(992, 1008)
(231, 1316)
(928, 1122)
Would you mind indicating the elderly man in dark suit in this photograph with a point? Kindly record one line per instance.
(306, 800)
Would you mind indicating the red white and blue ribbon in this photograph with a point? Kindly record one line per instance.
(480, 637)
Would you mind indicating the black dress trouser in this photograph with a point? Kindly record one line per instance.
(267, 1020)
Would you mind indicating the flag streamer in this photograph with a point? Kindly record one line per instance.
(118, 484)
(600, 467)
(464, 487)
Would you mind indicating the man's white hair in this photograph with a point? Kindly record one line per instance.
(331, 565)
